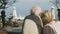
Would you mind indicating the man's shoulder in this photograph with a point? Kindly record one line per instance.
(31, 17)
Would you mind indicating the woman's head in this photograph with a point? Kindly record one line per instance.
(46, 17)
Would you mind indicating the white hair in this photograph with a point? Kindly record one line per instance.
(36, 10)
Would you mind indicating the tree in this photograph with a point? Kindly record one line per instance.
(6, 3)
(3, 5)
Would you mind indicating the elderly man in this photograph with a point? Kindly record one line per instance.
(32, 23)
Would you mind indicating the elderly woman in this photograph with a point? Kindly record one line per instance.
(32, 23)
(50, 26)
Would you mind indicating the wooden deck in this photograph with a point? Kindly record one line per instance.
(9, 33)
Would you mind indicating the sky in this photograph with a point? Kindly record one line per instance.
(23, 7)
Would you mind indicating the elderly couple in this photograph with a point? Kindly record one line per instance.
(39, 22)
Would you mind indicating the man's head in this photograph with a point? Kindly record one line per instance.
(36, 10)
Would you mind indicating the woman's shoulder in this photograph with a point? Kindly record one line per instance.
(48, 26)
(55, 25)
(57, 22)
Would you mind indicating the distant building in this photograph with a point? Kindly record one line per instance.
(14, 13)
(53, 12)
(20, 17)
(15, 17)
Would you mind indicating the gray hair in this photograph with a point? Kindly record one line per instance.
(36, 10)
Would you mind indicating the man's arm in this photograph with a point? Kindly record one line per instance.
(30, 27)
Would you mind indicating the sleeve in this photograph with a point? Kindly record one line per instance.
(30, 27)
(48, 30)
